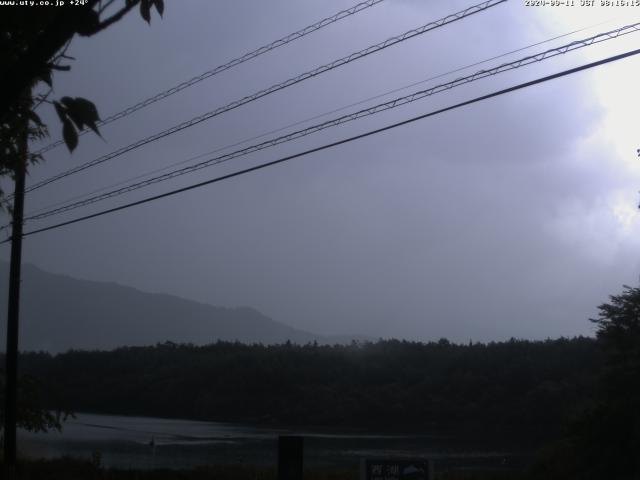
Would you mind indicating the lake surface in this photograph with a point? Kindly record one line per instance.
(146, 442)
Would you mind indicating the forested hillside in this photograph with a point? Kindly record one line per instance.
(525, 386)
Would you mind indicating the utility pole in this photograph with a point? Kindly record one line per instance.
(11, 356)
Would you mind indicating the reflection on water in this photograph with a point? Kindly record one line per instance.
(144, 442)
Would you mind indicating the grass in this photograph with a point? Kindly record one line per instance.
(73, 469)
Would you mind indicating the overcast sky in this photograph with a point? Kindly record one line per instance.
(513, 217)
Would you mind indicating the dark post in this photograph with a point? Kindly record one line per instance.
(11, 357)
(290, 453)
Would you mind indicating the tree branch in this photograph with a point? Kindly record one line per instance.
(114, 18)
(46, 45)
(102, 8)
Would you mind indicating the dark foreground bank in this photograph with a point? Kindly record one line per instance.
(68, 469)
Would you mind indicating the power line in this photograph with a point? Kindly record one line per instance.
(341, 142)
(232, 63)
(306, 120)
(274, 88)
(348, 118)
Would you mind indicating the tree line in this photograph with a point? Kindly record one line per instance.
(520, 385)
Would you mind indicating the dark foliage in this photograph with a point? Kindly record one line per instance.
(33, 43)
(524, 386)
(604, 442)
(611, 432)
(32, 414)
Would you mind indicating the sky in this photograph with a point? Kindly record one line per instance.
(513, 217)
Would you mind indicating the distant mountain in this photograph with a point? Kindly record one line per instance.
(58, 313)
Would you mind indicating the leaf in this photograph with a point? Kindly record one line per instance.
(61, 111)
(67, 101)
(87, 22)
(88, 109)
(82, 112)
(33, 116)
(145, 10)
(159, 6)
(72, 113)
(88, 112)
(69, 135)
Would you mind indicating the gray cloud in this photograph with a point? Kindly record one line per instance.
(455, 226)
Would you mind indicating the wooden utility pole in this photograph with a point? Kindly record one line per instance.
(11, 357)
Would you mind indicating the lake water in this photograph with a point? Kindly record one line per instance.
(145, 442)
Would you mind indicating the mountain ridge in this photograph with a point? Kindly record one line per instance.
(60, 312)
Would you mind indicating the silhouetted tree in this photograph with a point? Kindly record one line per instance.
(33, 413)
(613, 430)
(604, 442)
(33, 45)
